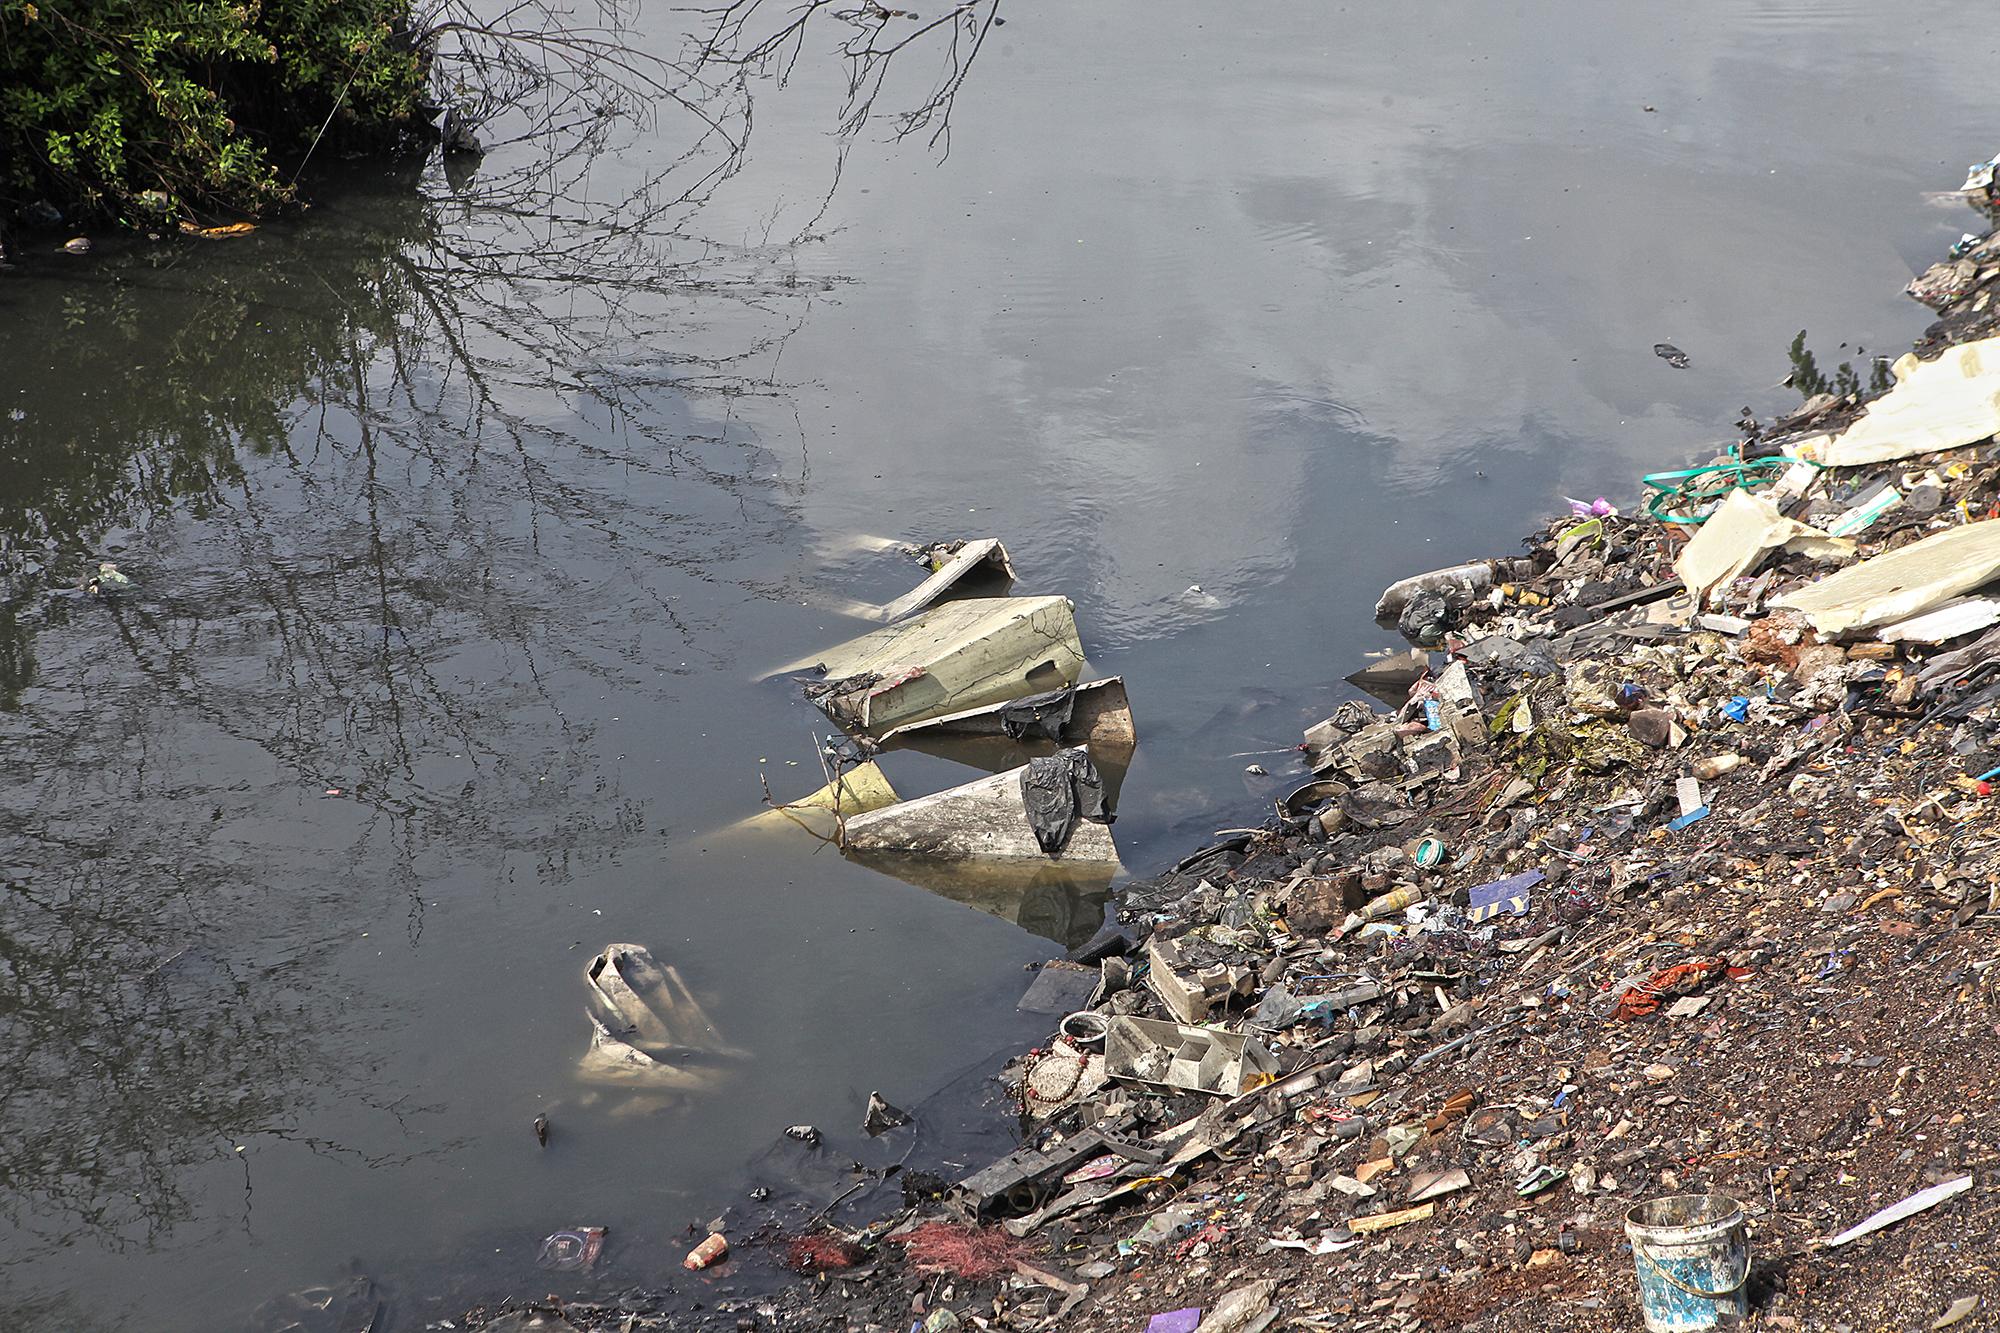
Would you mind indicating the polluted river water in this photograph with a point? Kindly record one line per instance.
(454, 570)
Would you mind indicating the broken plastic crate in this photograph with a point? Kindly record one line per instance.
(1177, 1057)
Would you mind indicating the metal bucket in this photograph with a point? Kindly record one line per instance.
(1692, 1253)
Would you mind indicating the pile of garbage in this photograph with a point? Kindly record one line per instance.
(1627, 955)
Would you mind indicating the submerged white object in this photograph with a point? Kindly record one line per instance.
(646, 1028)
(863, 787)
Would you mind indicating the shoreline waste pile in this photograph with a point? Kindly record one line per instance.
(1627, 960)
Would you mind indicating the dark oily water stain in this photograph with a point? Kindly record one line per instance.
(455, 549)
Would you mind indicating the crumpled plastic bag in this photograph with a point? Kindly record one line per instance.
(1040, 716)
(1681, 979)
(1057, 790)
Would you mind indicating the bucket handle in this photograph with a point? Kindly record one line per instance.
(1671, 1280)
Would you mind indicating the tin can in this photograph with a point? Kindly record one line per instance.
(711, 1251)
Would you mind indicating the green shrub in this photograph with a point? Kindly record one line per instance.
(123, 108)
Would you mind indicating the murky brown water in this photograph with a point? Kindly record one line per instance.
(1221, 322)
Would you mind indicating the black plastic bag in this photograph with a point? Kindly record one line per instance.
(1058, 789)
(1039, 716)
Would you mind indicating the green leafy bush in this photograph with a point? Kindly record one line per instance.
(135, 108)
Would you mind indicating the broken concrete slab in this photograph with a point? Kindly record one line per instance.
(1901, 583)
(1935, 405)
(982, 820)
(949, 659)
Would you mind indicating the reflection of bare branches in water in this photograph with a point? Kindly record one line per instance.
(369, 549)
(132, 1058)
(397, 492)
(760, 37)
(378, 498)
(535, 74)
(371, 553)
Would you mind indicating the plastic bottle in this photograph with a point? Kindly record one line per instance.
(711, 1251)
(1460, 586)
(1713, 767)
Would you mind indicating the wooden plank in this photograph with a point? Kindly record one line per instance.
(1362, 1226)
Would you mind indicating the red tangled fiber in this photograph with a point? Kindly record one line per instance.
(1682, 979)
(821, 1253)
(962, 1251)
